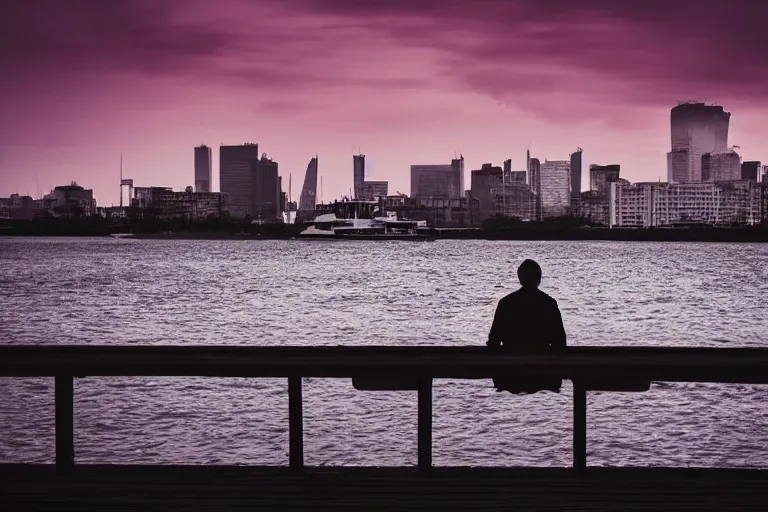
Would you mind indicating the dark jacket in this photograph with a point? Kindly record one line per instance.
(527, 320)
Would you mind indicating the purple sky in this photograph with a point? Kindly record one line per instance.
(407, 82)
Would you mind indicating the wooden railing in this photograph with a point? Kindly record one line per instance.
(403, 368)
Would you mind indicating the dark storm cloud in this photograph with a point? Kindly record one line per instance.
(624, 51)
(101, 33)
(659, 46)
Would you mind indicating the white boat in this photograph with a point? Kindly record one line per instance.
(121, 235)
(387, 227)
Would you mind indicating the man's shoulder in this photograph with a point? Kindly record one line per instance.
(547, 298)
(522, 295)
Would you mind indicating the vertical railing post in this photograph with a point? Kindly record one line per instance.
(425, 424)
(295, 425)
(65, 419)
(579, 425)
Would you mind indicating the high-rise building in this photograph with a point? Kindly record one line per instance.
(750, 171)
(482, 182)
(725, 166)
(439, 181)
(457, 179)
(576, 173)
(203, 169)
(696, 129)
(534, 180)
(267, 190)
(431, 180)
(237, 165)
(308, 199)
(601, 176)
(358, 175)
(555, 188)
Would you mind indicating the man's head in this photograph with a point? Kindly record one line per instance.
(529, 274)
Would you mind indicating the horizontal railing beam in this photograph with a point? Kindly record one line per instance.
(746, 365)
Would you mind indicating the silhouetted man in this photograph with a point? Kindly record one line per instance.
(527, 320)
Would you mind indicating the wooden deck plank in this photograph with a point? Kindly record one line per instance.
(245, 488)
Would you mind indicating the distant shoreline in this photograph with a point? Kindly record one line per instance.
(724, 235)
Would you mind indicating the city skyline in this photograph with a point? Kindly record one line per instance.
(404, 90)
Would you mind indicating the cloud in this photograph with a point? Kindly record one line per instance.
(628, 52)
(560, 59)
(238, 43)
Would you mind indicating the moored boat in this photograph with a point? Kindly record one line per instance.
(372, 226)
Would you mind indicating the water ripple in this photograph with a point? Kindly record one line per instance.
(96, 291)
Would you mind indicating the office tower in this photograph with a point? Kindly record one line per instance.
(601, 176)
(555, 188)
(696, 129)
(439, 181)
(576, 173)
(725, 166)
(237, 164)
(457, 178)
(203, 169)
(507, 165)
(534, 180)
(267, 190)
(432, 181)
(373, 190)
(750, 171)
(358, 175)
(483, 182)
(308, 199)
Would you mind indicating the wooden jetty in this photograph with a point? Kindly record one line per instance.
(67, 486)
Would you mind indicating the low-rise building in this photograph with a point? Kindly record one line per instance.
(656, 204)
(373, 190)
(514, 199)
(502, 192)
(67, 200)
(750, 170)
(16, 207)
(724, 166)
(165, 203)
(456, 212)
(601, 176)
(594, 208)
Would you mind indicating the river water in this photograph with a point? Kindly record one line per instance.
(104, 291)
